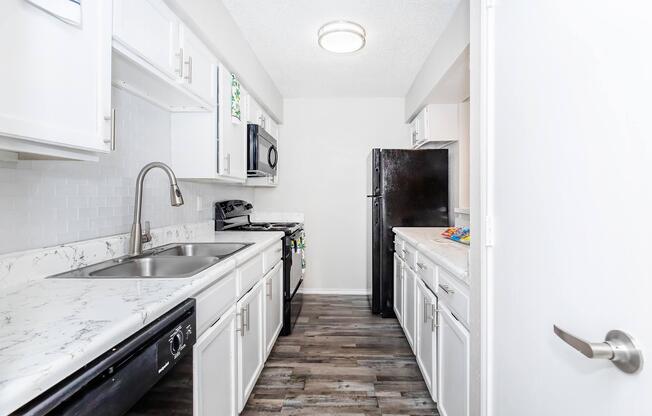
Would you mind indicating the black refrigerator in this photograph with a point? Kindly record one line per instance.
(405, 188)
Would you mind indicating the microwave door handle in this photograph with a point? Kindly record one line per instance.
(269, 157)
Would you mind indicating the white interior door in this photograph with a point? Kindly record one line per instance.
(572, 203)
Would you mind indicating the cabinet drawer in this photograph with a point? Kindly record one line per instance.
(427, 271)
(398, 246)
(454, 295)
(214, 301)
(249, 274)
(272, 255)
(410, 256)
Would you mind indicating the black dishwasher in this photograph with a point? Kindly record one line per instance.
(149, 373)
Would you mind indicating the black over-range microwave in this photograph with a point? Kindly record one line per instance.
(262, 153)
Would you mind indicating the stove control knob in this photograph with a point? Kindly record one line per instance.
(176, 343)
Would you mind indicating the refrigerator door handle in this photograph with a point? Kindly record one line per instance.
(374, 196)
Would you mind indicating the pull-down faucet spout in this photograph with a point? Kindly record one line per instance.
(176, 199)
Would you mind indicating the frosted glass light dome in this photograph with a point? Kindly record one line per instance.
(342, 37)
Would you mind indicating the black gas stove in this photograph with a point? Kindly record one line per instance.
(235, 215)
(286, 227)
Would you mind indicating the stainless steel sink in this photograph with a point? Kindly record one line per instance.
(220, 250)
(177, 260)
(157, 267)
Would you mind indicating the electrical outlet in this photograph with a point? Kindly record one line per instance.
(200, 203)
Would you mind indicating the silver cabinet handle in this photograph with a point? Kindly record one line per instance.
(618, 347)
(435, 318)
(111, 139)
(269, 288)
(241, 330)
(404, 251)
(228, 163)
(179, 70)
(247, 310)
(188, 77)
(425, 310)
(446, 289)
(422, 266)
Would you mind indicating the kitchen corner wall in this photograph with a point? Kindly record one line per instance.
(323, 147)
(46, 203)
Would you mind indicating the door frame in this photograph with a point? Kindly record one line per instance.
(481, 203)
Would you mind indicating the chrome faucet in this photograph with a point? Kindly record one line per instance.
(176, 199)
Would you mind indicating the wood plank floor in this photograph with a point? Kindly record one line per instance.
(341, 359)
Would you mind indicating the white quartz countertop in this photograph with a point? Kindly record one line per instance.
(50, 328)
(451, 255)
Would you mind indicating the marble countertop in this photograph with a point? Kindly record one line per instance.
(451, 255)
(52, 327)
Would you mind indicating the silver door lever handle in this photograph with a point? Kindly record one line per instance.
(618, 347)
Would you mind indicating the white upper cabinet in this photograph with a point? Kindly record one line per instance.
(55, 81)
(160, 59)
(198, 66)
(257, 115)
(149, 29)
(435, 123)
(210, 146)
(232, 133)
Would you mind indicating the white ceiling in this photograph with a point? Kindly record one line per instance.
(400, 35)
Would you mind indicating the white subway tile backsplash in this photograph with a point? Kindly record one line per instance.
(46, 203)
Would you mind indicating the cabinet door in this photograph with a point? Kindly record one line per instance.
(215, 369)
(255, 113)
(149, 29)
(453, 365)
(251, 342)
(409, 306)
(198, 66)
(55, 77)
(232, 133)
(398, 288)
(273, 306)
(427, 336)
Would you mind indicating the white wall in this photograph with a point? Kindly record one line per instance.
(449, 51)
(323, 148)
(51, 202)
(215, 25)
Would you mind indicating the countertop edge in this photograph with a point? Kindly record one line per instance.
(438, 258)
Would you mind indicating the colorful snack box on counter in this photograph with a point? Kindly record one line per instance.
(459, 234)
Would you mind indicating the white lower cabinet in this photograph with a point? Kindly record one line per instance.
(409, 307)
(250, 310)
(453, 365)
(273, 306)
(426, 324)
(433, 311)
(215, 368)
(398, 288)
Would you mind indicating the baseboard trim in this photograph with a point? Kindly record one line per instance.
(311, 291)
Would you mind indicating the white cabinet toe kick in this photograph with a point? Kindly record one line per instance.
(432, 306)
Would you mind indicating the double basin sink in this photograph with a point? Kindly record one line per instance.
(168, 261)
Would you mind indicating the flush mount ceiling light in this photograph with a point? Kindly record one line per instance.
(342, 37)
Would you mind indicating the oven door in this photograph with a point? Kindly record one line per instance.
(296, 272)
(262, 157)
